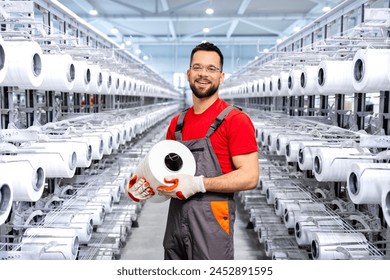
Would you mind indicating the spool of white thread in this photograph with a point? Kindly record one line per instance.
(6, 198)
(83, 225)
(96, 83)
(106, 82)
(283, 83)
(367, 182)
(83, 205)
(333, 163)
(371, 70)
(305, 154)
(273, 85)
(3, 60)
(58, 73)
(83, 76)
(339, 246)
(294, 79)
(96, 144)
(304, 229)
(266, 91)
(308, 80)
(165, 158)
(24, 64)
(29, 186)
(59, 162)
(283, 192)
(292, 148)
(115, 84)
(106, 137)
(335, 77)
(385, 204)
(260, 85)
(51, 243)
(284, 138)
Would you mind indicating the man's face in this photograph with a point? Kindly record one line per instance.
(204, 75)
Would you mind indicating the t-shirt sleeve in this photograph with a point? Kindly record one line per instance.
(241, 135)
(171, 129)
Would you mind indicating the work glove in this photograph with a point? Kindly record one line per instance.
(139, 189)
(183, 186)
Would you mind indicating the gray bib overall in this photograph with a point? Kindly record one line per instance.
(202, 226)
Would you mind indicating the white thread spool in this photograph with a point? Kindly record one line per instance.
(115, 83)
(294, 79)
(284, 138)
(283, 83)
(339, 246)
(335, 77)
(385, 204)
(332, 163)
(58, 73)
(83, 76)
(305, 154)
(371, 70)
(106, 82)
(260, 86)
(6, 198)
(266, 91)
(273, 85)
(106, 137)
(292, 148)
(96, 144)
(3, 60)
(51, 243)
(96, 83)
(165, 158)
(29, 186)
(24, 64)
(308, 80)
(367, 182)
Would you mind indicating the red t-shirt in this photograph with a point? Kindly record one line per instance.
(235, 136)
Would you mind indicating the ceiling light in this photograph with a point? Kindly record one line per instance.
(278, 41)
(297, 29)
(206, 30)
(93, 12)
(209, 11)
(114, 30)
(145, 57)
(326, 9)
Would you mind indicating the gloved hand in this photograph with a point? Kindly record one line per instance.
(183, 186)
(139, 189)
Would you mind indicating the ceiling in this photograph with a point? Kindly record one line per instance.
(165, 31)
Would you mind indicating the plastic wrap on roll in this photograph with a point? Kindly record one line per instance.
(339, 246)
(308, 80)
(335, 77)
(24, 64)
(371, 70)
(165, 158)
(58, 73)
(28, 187)
(6, 198)
(332, 164)
(367, 182)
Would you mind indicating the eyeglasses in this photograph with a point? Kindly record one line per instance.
(209, 69)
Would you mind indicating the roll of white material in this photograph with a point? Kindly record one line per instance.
(115, 83)
(292, 149)
(6, 198)
(332, 164)
(260, 86)
(371, 70)
(308, 80)
(305, 153)
(339, 246)
(106, 82)
(266, 91)
(51, 243)
(58, 73)
(24, 64)
(283, 83)
(367, 182)
(165, 158)
(104, 199)
(107, 138)
(83, 225)
(82, 205)
(335, 77)
(294, 79)
(57, 162)
(385, 204)
(283, 192)
(96, 143)
(122, 84)
(96, 83)
(3, 60)
(273, 85)
(284, 138)
(82, 76)
(281, 204)
(304, 229)
(28, 187)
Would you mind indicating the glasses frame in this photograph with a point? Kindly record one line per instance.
(209, 69)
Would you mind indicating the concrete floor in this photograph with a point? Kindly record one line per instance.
(145, 241)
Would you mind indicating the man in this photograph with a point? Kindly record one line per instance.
(222, 139)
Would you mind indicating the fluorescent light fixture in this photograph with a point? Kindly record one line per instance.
(326, 9)
(278, 41)
(209, 11)
(297, 29)
(114, 30)
(93, 12)
(206, 30)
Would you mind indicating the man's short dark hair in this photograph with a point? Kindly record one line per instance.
(210, 47)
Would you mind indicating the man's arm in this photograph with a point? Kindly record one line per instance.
(244, 177)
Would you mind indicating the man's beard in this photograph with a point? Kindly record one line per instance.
(212, 90)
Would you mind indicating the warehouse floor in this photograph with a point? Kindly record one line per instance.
(145, 241)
